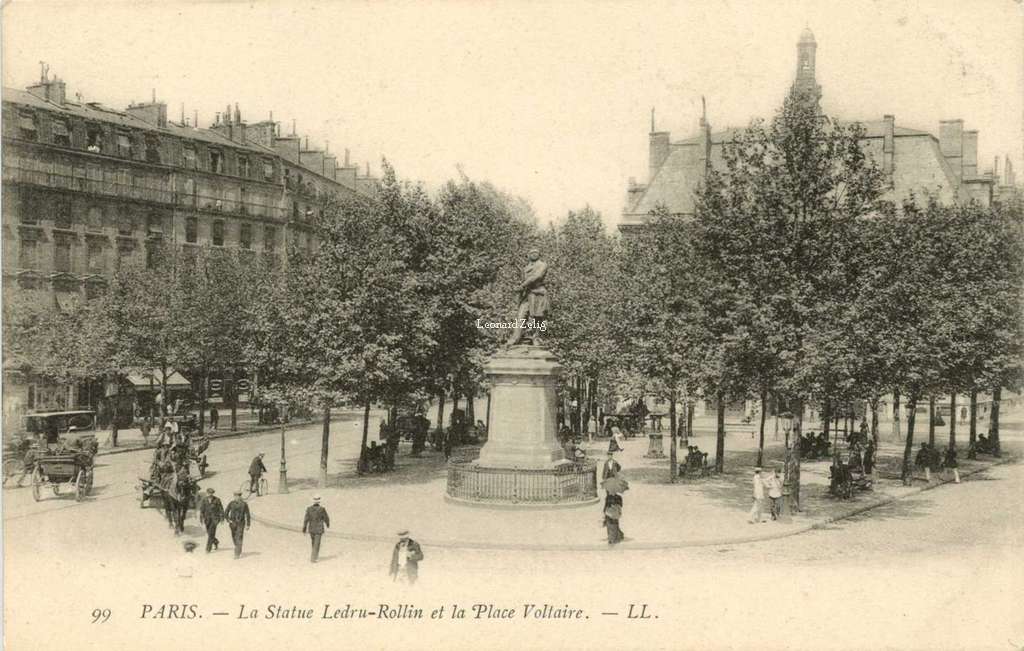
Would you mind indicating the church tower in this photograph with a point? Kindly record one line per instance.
(806, 48)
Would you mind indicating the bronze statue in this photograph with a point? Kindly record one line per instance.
(533, 302)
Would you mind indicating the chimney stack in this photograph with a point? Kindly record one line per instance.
(951, 135)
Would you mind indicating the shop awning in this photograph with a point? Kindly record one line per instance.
(174, 381)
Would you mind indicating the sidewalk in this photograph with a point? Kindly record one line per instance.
(657, 514)
(131, 440)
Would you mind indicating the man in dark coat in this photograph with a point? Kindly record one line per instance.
(315, 521)
(256, 470)
(214, 418)
(610, 468)
(211, 512)
(239, 519)
(405, 559)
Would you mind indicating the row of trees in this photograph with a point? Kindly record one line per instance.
(796, 282)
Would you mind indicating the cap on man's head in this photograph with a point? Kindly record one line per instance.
(316, 498)
(757, 470)
(238, 493)
(210, 491)
(403, 532)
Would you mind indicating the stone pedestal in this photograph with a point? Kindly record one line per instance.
(522, 432)
(655, 447)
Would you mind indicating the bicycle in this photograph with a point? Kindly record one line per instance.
(262, 488)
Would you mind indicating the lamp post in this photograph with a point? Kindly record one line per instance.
(787, 480)
(282, 481)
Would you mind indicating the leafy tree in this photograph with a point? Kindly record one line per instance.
(778, 226)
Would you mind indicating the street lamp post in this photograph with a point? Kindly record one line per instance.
(787, 479)
(282, 481)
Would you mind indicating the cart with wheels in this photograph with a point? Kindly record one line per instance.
(73, 469)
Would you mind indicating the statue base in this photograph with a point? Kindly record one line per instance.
(523, 428)
(522, 462)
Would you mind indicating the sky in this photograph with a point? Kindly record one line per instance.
(547, 100)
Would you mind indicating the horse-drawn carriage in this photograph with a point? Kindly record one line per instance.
(46, 433)
(175, 490)
(72, 467)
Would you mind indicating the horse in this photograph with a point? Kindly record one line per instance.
(179, 496)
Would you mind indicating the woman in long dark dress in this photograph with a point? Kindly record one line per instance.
(612, 515)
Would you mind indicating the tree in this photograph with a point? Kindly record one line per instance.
(777, 225)
(586, 285)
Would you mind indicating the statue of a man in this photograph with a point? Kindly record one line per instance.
(533, 301)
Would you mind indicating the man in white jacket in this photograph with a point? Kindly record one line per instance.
(755, 510)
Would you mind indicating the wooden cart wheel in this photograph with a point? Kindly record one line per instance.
(10, 468)
(80, 486)
(37, 484)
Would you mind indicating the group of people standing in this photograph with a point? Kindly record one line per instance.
(766, 486)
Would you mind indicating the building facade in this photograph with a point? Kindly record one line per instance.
(917, 162)
(87, 188)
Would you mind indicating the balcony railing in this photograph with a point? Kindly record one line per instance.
(567, 484)
(59, 181)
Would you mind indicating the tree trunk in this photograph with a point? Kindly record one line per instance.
(204, 396)
(907, 471)
(440, 414)
(689, 420)
(163, 390)
(896, 415)
(826, 418)
(366, 430)
(764, 414)
(470, 407)
(487, 423)
(720, 442)
(993, 428)
(931, 421)
(974, 417)
(672, 424)
(874, 420)
(113, 422)
(952, 421)
(325, 440)
(234, 400)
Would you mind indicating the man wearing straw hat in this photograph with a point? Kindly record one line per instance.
(405, 558)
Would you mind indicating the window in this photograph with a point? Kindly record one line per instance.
(125, 226)
(245, 236)
(124, 145)
(268, 171)
(61, 135)
(154, 250)
(96, 258)
(94, 140)
(154, 225)
(218, 233)
(269, 238)
(189, 155)
(62, 254)
(94, 219)
(28, 254)
(31, 205)
(216, 162)
(62, 213)
(243, 167)
(152, 149)
(191, 230)
(27, 126)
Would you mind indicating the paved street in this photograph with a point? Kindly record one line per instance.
(944, 562)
